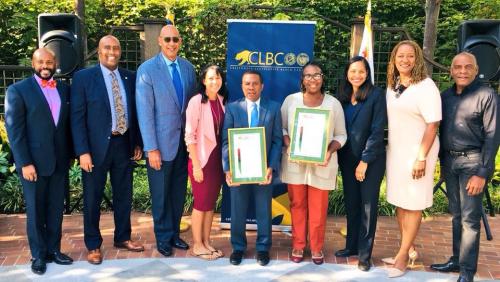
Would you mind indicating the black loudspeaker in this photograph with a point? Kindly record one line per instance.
(482, 39)
(62, 34)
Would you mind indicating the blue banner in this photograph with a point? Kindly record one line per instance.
(278, 50)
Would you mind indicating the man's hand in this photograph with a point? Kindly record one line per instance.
(29, 173)
(86, 162)
(269, 177)
(137, 153)
(361, 171)
(154, 159)
(229, 181)
(475, 185)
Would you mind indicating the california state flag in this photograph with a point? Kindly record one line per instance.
(366, 47)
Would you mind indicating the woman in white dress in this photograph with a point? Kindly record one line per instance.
(414, 112)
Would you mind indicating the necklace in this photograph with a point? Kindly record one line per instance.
(216, 115)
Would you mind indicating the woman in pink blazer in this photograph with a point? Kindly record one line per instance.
(204, 117)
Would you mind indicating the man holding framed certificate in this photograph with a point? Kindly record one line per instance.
(251, 153)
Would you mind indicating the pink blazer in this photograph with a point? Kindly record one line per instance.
(200, 127)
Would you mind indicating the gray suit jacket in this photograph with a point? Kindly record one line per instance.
(161, 118)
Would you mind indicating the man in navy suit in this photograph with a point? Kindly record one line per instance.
(165, 83)
(106, 139)
(253, 111)
(37, 122)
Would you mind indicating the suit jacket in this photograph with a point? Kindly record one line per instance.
(91, 120)
(34, 137)
(200, 127)
(161, 118)
(269, 117)
(365, 137)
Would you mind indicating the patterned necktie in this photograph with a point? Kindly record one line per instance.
(176, 79)
(121, 122)
(254, 116)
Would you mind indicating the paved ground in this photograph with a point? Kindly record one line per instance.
(433, 242)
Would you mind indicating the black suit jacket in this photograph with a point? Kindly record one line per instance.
(91, 113)
(34, 137)
(365, 137)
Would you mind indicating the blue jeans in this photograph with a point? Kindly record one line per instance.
(466, 210)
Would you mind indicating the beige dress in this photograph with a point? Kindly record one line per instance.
(320, 177)
(408, 115)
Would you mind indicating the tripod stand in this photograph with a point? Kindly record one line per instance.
(487, 228)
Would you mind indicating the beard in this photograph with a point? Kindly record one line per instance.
(47, 77)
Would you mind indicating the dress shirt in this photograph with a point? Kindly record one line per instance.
(469, 123)
(106, 73)
(169, 62)
(52, 97)
(250, 108)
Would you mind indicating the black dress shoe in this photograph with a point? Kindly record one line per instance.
(449, 266)
(364, 265)
(345, 253)
(263, 258)
(179, 244)
(59, 258)
(38, 266)
(236, 257)
(165, 250)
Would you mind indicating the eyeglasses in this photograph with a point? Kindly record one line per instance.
(315, 76)
(167, 39)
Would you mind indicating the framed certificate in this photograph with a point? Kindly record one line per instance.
(247, 155)
(309, 138)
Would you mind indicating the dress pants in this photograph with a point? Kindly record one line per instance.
(44, 212)
(117, 162)
(240, 199)
(361, 204)
(466, 210)
(168, 193)
(309, 206)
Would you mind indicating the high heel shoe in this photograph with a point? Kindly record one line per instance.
(413, 256)
(395, 272)
(318, 259)
(390, 261)
(297, 255)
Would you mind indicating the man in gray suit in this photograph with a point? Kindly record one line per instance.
(165, 83)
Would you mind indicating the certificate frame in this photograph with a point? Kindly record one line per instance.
(259, 165)
(297, 140)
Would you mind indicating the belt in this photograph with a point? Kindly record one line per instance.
(115, 134)
(463, 153)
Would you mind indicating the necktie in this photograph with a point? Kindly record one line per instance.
(176, 79)
(121, 122)
(49, 83)
(254, 116)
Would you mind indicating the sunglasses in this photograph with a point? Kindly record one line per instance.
(167, 39)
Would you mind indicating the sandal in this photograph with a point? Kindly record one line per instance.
(318, 259)
(205, 256)
(297, 255)
(218, 253)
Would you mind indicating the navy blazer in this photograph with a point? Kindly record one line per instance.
(91, 120)
(365, 137)
(34, 137)
(269, 117)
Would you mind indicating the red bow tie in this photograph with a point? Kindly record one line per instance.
(49, 83)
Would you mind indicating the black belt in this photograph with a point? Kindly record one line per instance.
(463, 153)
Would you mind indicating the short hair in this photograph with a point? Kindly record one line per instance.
(419, 71)
(253, 72)
(467, 54)
(314, 64)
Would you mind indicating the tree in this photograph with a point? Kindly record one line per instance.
(430, 31)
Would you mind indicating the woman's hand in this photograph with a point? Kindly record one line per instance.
(360, 171)
(198, 174)
(418, 169)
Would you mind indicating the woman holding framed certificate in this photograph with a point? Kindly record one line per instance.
(362, 159)
(313, 129)
(414, 113)
(204, 117)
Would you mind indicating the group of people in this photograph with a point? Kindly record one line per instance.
(110, 116)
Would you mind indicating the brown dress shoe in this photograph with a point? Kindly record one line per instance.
(94, 256)
(130, 245)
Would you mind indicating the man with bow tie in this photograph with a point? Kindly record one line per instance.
(106, 139)
(37, 122)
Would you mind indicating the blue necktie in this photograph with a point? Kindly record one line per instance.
(176, 79)
(254, 116)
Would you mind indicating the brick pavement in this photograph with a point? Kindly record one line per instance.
(433, 241)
